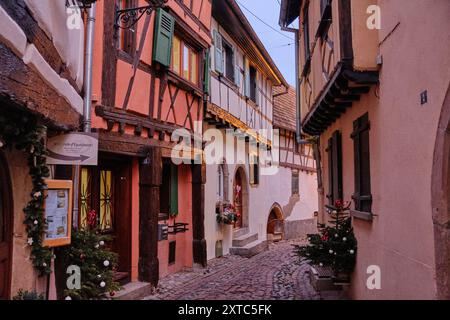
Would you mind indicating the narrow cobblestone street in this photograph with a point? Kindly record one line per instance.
(276, 274)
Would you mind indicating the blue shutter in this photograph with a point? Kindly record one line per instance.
(162, 43)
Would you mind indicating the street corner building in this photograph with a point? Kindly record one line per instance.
(248, 99)
(41, 79)
(376, 93)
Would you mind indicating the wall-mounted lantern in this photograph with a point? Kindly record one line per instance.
(127, 18)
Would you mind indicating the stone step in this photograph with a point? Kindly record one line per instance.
(134, 291)
(240, 232)
(242, 241)
(251, 249)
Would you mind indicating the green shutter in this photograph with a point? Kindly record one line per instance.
(218, 52)
(174, 190)
(207, 75)
(162, 45)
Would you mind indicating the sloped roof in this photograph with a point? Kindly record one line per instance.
(284, 108)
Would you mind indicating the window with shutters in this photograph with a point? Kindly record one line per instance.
(362, 196)
(295, 182)
(127, 37)
(334, 150)
(169, 191)
(185, 60)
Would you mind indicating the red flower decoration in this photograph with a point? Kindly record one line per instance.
(92, 219)
(338, 203)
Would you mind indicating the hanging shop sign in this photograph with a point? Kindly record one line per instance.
(58, 213)
(73, 149)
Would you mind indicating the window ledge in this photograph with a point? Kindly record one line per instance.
(366, 216)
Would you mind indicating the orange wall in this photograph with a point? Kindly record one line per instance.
(183, 240)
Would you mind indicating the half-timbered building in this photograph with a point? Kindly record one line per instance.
(240, 108)
(293, 214)
(41, 80)
(148, 82)
(375, 91)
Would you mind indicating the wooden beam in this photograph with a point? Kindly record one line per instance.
(22, 86)
(198, 213)
(150, 180)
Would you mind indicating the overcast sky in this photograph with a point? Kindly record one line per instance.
(280, 47)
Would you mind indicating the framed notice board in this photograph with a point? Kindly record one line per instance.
(58, 213)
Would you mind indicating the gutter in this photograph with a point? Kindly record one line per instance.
(90, 33)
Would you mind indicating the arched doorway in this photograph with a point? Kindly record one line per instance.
(6, 214)
(240, 197)
(440, 198)
(275, 224)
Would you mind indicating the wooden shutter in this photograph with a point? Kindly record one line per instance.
(218, 52)
(164, 29)
(174, 190)
(247, 78)
(330, 171)
(257, 92)
(237, 69)
(335, 168)
(207, 75)
(360, 136)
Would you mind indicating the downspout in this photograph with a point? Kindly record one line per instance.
(90, 33)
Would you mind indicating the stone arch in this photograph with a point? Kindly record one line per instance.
(275, 223)
(240, 174)
(440, 200)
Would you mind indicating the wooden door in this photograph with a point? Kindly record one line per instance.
(107, 190)
(5, 229)
(237, 196)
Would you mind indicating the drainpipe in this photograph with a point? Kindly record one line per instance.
(90, 32)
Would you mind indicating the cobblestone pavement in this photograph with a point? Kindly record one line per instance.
(276, 274)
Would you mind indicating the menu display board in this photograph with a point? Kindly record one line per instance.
(58, 213)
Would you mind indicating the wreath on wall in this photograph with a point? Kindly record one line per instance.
(25, 134)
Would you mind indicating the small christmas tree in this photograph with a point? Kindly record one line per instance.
(335, 245)
(97, 263)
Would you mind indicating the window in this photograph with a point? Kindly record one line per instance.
(169, 190)
(127, 37)
(172, 251)
(184, 60)
(228, 55)
(253, 83)
(295, 182)
(254, 170)
(335, 191)
(360, 136)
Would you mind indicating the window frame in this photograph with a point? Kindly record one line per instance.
(192, 54)
(226, 49)
(127, 35)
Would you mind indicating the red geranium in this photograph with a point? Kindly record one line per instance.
(92, 219)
